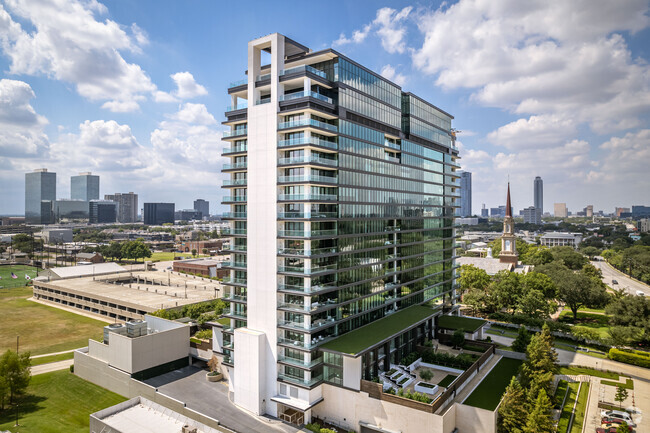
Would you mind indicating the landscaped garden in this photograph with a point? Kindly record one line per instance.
(447, 380)
(41, 328)
(488, 394)
(58, 402)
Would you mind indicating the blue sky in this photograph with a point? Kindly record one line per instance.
(135, 91)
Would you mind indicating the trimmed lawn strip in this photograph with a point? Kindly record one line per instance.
(224, 321)
(167, 257)
(355, 341)
(629, 383)
(447, 380)
(563, 423)
(489, 392)
(468, 324)
(53, 358)
(560, 392)
(42, 329)
(58, 402)
(576, 371)
(581, 408)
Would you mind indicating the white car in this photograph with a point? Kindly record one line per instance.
(617, 414)
(640, 293)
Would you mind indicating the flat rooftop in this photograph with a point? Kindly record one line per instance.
(354, 342)
(150, 291)
(468, 324)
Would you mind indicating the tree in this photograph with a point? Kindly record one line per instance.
(621, 395)
(458, 338)
(136, 249)
(540, 419)
(506, 289)
(624, 335)
(426, 375)
(629, 310)
(194, 251)
(534, 304)
(540, 282)
(571, 258)
(541, 361)
(15, 374)
(512, 411)
(205, 251)
(472, 277)
(522, 341)
(590, 251)
(475, 299)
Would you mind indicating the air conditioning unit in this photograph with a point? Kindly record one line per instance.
(189, 429)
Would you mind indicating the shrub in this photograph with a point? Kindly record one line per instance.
(410, 358)
(531, 322)
(426, 375)
(327, 430)
(313, 427)
(205, 334)
(634, 357)
(71, 368)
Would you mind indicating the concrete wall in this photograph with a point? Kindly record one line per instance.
(249, 381)
(352, 372)
(474, 419)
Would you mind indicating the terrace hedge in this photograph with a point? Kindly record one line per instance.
(634, 357)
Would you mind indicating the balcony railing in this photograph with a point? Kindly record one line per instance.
(306, 233)
(302, 215)
(233, 231)
(308, 122)
(308, 178)
(308, 159)
(301, 270)
(235, 297)
(305, 94)
(298, 69)
(303, 252)
(262, 77)
(234, 198)
(234, 149)
(305, 290)
(310, 197)
(235, 132)
(236, 107)
(236, 314)
(237, 247)
(235, 165)
(230, 264)
(234, 215)
(238, 83)
(300, 380)
(234, 182)
(230, 280)
(300, 362)
(308, 140)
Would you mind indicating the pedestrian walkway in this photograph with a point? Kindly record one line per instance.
(52, 366)
(53, 353)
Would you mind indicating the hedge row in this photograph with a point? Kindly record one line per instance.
(634, 357)
(530, 322)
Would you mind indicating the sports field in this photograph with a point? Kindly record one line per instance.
(19, 271)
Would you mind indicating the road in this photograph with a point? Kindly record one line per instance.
(609, 273)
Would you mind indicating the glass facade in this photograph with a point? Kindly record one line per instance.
(365, 219)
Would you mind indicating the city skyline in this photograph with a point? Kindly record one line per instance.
(154, 118)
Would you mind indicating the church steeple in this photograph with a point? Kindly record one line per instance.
(508, 240)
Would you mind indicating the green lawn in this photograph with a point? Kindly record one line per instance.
(629, 383)
(597, 322)
(560, 392)
(165, 257)
(58, 402)
(224, 321)
(563, 423)
(355, 341)
(52, 358)
(489, 392)
(576, 371)
(20, 271)
(42, 329)
(581, 408)
(447, 380)
(467, 324)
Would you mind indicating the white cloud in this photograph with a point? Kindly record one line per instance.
(629, 155)
(389, 73)
(533, 132)
(390, 27)
(69, 44)
(187, 87)
(21, 128)
(194, 114)
(160, 96)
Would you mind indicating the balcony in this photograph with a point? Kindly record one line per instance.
(235, 166)
(234, 215)
(236, 149)
(304, 271)
(263, 101)
(306, 215)
(300, 362)
(238, 83)
(307, 160)
(229, 264)
(234, 182)
(308, 178)
(234, 297)
(304, 141)
(308, 122)
(238, 281)
(302, 68)
(263, 77)
(232, 231)
(303, 252)
(300, 380)
(237, 248)
(305, 94)
(304, 290)
(235, 314)
(241, 106)
(309, 197)
(306, 233)
(235, 133)
(392, 145)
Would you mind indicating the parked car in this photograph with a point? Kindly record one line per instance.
(617, 414)
(640, 293)
(614, 282)
(616, 420)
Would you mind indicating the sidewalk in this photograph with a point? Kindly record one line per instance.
(52, 366)
(53, 353)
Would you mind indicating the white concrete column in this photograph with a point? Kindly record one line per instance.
(307, 86)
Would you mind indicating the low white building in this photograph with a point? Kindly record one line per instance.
(559, 239)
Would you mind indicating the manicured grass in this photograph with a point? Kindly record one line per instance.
(489, 392)
(576, 371)
(20, 271)
(58, 402)
(447, 380)
(597, 322)
(581, 408)
(224, 321)
(467, 324)
(560, 392)
(52, 358)
(629, 383)
(166, 257)
(42, 329)
(563, 423)
(355, 341)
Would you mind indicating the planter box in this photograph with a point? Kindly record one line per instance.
(214, 378)
(426, 388)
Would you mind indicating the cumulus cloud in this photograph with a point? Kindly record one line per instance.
(533, 132)
(68, 43)
(628, 154)
(186, 88)
(21, 128)
(389, 25)
(190, 113)
(391, 74)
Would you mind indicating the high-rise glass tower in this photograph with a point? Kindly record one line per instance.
(465, 193)
(342, 195)
(202, 206)
(84, 187)
(538, 191)
(40, 185)
(127, 206)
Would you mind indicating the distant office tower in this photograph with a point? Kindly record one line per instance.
(159, 213)
(589, 211)
(465, 193)
(39, 185)
(102, 211)
(188, 215)
(127, 206)
(202, 206)
(640, 212)
(538, 186)
(560, 210)
(532, 215)
(84, 187)
(621, 210)
(66, 209)
(484, 211)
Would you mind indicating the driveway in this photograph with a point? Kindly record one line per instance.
(211, 398)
